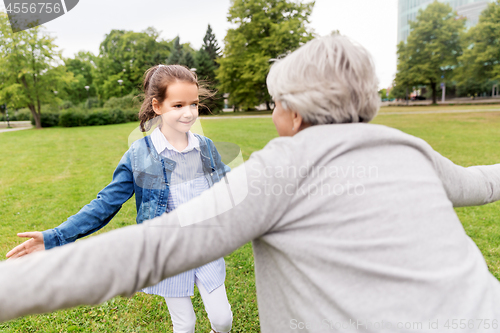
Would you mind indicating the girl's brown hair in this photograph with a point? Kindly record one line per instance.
(155, 84)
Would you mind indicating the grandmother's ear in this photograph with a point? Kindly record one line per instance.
(298, 122)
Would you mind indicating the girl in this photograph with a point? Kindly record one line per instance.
(164, 170)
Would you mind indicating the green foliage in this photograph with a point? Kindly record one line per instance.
(210, 44)
(20, 115)
(129, 101)
(96, 117)
(432, 48)
(206, 57)
(181, 54)
(265, 29)
(66, 104)
(71, 118)
(398, 91)
(480, 61)
(188, 60)
(82, 66)
(206, 65)
(92, 102)
(176, 52)
(48, 119)
(30, 69)
(126, 55)
(383, 93)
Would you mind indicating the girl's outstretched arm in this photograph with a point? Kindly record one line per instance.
(89, 219)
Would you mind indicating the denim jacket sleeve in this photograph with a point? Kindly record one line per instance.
(219, 166)
(99, 211)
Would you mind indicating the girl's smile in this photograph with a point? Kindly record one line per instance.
(178, 111)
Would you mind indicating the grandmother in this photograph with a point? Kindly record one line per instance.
(352, 224)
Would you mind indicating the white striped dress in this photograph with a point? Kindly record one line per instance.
(187, 182)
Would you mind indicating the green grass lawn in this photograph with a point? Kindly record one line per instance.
(47, 175)
(427, 108)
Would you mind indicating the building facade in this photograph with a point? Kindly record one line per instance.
(408, 10)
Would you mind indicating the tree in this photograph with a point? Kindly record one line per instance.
(176, 52)
(82, 66)
(480, 65)
(126, 55)
(432, 49)
(265, 30)
(187, 60)
(206, 57)
(210, 44)
(398, 91)
(182, 54)
(383, 94)
(206, 65)
(30, 69)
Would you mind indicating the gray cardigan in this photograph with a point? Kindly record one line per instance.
(352, 226)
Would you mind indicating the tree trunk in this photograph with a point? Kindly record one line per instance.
(36, 116)
(434, 96)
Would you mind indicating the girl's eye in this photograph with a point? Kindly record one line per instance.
(194, 105)
(178, 106)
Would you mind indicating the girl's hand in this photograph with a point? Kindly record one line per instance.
(31, 245)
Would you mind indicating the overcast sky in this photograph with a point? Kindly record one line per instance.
(372, 23)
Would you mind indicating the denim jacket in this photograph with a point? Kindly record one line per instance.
(143, 172)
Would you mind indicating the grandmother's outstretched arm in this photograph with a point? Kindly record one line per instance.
(472, 186)
(125, 260)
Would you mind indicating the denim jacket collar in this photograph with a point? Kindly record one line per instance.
(169, 164)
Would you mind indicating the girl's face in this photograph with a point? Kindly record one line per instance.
(179, 110)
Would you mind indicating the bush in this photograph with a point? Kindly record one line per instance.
(67, 104)
(48, 119)
(126, 102)
(118, 117)
(95, 117)
(91, 102)
(131, 115)
(23, 115)
(19, 115)
(71, 118)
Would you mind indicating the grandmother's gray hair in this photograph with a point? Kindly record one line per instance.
(328, 80)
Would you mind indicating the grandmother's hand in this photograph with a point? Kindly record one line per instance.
(31, 245)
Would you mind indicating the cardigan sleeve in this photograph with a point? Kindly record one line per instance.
(472, 186)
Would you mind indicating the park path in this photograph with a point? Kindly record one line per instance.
(441, 111)
(13, 129)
